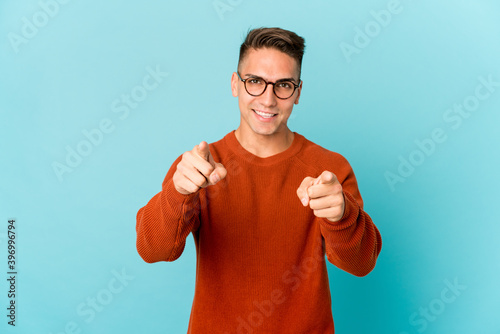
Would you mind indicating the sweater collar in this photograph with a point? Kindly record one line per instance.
(235, 146)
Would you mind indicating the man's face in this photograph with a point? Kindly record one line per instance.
(271, 65)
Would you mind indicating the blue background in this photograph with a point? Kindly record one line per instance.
(75, 232)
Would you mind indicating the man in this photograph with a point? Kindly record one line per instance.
(264, 205)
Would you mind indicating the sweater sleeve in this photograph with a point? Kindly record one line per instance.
(354, 242)
(164, 223)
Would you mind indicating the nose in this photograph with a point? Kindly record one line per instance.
(268, 98)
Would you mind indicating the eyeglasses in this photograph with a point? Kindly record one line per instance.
(283, 89)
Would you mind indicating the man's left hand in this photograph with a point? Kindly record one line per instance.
(323, 195)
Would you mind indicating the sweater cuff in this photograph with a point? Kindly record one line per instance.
(176, 201)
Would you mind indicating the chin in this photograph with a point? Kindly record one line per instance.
(265, 131)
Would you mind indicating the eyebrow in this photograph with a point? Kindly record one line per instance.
(249, 75)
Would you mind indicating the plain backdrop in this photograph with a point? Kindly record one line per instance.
(408, 91)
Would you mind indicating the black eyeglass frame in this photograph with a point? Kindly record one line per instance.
(295, 86)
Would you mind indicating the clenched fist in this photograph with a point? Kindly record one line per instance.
(323, 195)
(197, 169)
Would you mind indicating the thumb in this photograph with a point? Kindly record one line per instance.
(219, 172)
(302, 190)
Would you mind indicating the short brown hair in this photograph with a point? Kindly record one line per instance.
(282, 40)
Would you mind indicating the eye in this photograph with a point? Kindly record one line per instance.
(255, 81)
(285, 84)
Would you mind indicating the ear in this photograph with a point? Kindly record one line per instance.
(234, 84)
(298, 94)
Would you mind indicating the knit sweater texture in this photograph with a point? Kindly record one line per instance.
(260, 253)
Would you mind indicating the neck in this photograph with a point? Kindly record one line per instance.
(264, 146)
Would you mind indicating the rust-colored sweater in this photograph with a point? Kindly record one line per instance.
(260, 254)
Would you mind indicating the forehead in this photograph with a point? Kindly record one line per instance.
(270, 64)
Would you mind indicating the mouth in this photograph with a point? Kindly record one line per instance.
(264, 115)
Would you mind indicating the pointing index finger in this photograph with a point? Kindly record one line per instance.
(203, 150)
(326, 178)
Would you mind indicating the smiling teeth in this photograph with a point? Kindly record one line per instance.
(263, 114)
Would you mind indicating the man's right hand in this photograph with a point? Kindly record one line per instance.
(197, 169)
